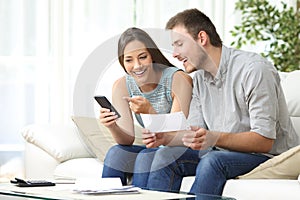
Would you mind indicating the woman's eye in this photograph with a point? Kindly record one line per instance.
(127, 61)
(143, 57)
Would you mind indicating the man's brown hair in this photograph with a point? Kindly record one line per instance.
(195, 21)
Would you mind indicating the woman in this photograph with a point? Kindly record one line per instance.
(152, 85)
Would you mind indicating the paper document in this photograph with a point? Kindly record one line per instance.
(119, 190)
(103, 186)
(165, 122)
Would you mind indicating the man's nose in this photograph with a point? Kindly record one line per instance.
(175, 54)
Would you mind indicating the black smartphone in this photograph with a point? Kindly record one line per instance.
(105, 103)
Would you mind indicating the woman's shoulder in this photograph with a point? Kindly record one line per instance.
(120, 82)
(171, 69)
(180, 76)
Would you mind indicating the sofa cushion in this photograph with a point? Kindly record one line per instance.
(262, 189)
(283, 166)
(56, 140)
(290, 86)
(78, 168)
(97, 137)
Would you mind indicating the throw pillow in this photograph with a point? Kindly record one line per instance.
(97, 137)
(283, 166)
(290, 86)
(56, 140)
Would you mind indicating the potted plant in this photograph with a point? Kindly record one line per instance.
(278, 27)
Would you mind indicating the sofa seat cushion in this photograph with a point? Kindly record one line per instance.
(262, 189)
(79, 168)
(187, 183)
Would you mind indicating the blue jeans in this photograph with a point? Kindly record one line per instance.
(142, 167)
(211, 167)
(119, 161)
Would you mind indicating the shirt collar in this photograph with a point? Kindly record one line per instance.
(220, 76)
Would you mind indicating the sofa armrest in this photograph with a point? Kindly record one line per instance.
(60, 142)
(37, 163)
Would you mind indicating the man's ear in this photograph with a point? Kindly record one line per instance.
(202, 38)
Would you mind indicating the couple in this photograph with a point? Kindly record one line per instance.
(235, 105)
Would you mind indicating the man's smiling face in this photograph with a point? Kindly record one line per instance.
(186, 49)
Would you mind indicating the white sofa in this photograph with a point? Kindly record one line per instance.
(54, 152)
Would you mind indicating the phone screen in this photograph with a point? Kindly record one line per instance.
(105, 103)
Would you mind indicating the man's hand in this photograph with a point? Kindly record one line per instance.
(200, 138)
(152, 140)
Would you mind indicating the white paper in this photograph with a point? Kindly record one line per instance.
(103, 186)
(97, 183)
(165, 122)
(120, 190)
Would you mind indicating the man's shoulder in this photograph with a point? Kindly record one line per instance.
(249, 61)
(244, 56)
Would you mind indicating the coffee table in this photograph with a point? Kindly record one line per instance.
(64, 192)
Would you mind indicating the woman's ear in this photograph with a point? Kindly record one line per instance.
(203, 37)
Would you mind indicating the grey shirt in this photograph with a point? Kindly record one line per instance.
(245, 95)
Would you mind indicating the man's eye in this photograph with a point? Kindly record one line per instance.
(177, 44)
(127, 61)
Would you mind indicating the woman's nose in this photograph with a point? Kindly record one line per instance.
(137, 64)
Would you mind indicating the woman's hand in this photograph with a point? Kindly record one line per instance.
(139, 104)
(152, 140)
(107, 118)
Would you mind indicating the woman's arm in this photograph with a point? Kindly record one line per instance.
(182, 87)
(122, 129)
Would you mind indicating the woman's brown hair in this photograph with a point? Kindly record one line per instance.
(132, 34)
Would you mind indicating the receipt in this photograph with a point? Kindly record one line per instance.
(165, 122)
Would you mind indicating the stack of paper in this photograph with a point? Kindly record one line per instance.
(119, 190)
(103, 186)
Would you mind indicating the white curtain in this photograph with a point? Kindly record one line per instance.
(43, 44)
(156, 13)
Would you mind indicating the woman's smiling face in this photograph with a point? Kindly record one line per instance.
(138, 61)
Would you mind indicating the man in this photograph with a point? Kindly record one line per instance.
(238, 112)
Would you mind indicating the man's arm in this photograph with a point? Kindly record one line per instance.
(243, 142)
